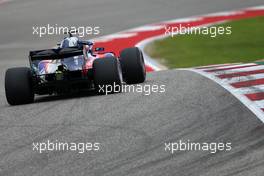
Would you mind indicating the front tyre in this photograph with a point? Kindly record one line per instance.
(19, 86)
(133, 66)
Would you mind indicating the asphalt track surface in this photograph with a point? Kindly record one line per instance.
(131, 128)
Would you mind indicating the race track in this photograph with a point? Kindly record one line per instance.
(132, 128)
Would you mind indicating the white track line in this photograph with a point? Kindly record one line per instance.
(147, 28)
(231, 66)
(256, 8)
(237, 70)
(215, 66)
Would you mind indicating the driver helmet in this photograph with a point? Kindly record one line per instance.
(69, 42)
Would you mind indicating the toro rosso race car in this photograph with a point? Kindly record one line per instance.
(74, 65)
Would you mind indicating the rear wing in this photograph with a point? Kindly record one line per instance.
(54, 54)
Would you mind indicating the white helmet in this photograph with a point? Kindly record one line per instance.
(69, 42)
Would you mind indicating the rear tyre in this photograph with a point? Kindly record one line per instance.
(133, 66)
(18, 86)
(107, 75)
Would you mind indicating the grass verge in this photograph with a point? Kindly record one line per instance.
(245, 44)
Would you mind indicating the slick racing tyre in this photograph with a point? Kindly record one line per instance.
(18, 86)
(133, 66)
(107, 75)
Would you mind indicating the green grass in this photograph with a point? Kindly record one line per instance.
(245, 44)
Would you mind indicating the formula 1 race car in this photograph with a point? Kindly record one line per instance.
(73, 66)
